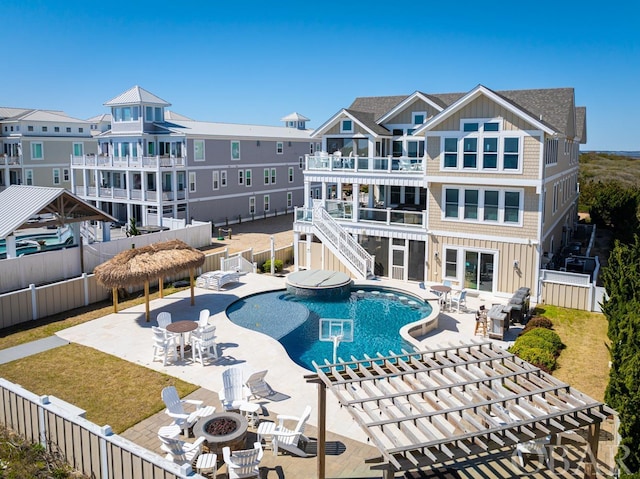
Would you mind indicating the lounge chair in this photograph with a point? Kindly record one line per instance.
(258, 387)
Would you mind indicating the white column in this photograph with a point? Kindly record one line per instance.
(296, 243)
(355, 198)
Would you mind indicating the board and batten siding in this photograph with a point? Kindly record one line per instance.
(508, 278)
(566, 295)
(335, 130)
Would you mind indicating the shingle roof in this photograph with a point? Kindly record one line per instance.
(35, 200)
(368, 120)
(136, 95)
(378, 105)
(581, 123)
(551, 106)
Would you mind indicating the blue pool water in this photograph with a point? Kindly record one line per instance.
(377, 315)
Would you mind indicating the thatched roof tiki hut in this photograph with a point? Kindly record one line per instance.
(148, 263)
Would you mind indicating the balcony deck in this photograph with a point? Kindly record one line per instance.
(385, 164)
(115, 162)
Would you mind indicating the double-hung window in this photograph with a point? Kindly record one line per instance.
(247, 178)
(235, 150)
(490, 153)
(511, 207)
(273, 176)
(192, 182)
(451, 203)
(267, 201)
(252, 205)
(470, 158)
(56, 176)
(266, 176)
(290, 174)
(511, 153)
(279, 147)
(470, 204)
(223, 178)
(289, 199)
(241, 177)
(450, 152)
(36, 151)
(198, 150)
(491, 205)
(216, 180)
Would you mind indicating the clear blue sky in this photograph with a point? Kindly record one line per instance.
(257, 61)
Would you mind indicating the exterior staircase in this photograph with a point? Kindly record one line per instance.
(341, 243)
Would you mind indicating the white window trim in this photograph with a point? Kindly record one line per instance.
(252, 205)
(416, 113)
(192, 182)
(460, 260)
(66, 175)
(204, 155)
(231, 151)
(290, 173)
(279, 147)
(223, 178)
(480, 136)
(266, 203)
(480, 220)
(267, 176)
(215, 180)
(81, 148)
(241, 177)
(28, 174)
(248, 178)
(33, 143)
(342, 128)
(273, 176)
(56, 172)
(289, 199)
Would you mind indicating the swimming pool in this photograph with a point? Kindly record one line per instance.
(33, 243)
(377, 314)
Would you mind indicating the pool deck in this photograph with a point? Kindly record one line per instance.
(127, 335)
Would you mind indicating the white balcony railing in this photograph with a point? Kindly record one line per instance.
(10, 160)
(109, 161)
(384, 164)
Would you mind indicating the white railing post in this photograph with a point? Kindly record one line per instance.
(42, 425)
(104, 459)
(34, 302)
(85, 287)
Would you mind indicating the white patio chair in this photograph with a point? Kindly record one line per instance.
(243, 463)
(204, 345)
(179, 451)
(175, 409)
(164, 345)
(164, 319)
(289, 439)
(258, 387)
(234, 393)
(459, 299)
(535, 446)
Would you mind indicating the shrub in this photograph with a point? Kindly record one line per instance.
(540, 358)
(538, 322)
(277, 266)
(548, 336)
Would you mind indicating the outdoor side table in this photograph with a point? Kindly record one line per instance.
(265, 431)
(250, 411)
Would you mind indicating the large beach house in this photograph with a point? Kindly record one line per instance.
(153, 164)
(474, 188)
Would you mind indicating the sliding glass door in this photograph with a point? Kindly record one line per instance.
(478, 270)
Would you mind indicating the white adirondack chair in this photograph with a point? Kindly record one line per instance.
(164, 319)
(243, 463)
(204, 345)
(164, 345)
(234, 394)
(289, 439)
(258, 387)
(179, 451)
(175, 409)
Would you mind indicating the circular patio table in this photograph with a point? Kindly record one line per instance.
(442, 291)
(181, 328)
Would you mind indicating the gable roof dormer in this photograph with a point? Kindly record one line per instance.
(510, 100)
(366, 121)
(416, 96)
(136, 96)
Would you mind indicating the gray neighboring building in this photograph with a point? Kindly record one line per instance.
(153, 164)
(35, 146)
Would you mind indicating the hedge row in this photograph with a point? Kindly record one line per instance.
(539, 345)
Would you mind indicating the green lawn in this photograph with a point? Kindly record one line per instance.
(584, 363)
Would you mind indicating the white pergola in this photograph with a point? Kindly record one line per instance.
(427, 407)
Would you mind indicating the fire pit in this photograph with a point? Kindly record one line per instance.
(222, 429)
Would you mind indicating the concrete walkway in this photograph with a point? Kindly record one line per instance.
(28, 349)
